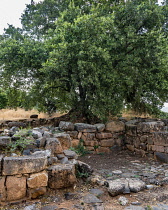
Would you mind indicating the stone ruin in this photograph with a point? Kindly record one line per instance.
(49, 163)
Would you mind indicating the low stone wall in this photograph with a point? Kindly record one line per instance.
(147, 137)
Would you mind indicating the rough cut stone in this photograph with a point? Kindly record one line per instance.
(16, 187)
(87, 128)
(16, 124)
(35, 193)
(38, 180)
(54, 145)
(75, 142)
(4, 141)
(115, 126)
(91, 143)
(160, 138)
(23, 165)
(73, 134)
(70, 154)
(161, 157)
(116, 187)
(136, 185)
(107, 143)
(84, 168)
(103, 150)
(103, 135)
(100, 127)
(61, 176)
(148, 127)
(88, 136)
(66, 126)
(2, 189)
(131, 129)
(64, 139)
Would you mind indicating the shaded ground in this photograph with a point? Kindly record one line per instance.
(105, 165)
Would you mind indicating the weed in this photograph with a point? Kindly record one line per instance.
(101, 153)
(80, 149)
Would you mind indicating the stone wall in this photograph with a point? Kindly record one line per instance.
(147, 136)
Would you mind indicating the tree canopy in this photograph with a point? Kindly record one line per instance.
(93, 57)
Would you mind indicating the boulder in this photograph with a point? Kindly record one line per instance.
(64, 139)
(61, 176)
(37, 180)
(115, 126)
(54, 145)
(66, 126)
(16, 187)
(24, 164)
(86, 128)
(136, 185)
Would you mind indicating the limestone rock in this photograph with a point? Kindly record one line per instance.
(54, 145)
(115, 126)
(2, 189)
(107, 143)
(4, 141)
(103, 135)
(61, 176)
(64, 139)
(116, 187)
(87, 128)
(100, 127)
(70, 154)
(38, 180)
(162, 157)
(66, 126)
(123, 200)
(73, 134)
(23, 164)
(90, 198)
(35, 193)
(149, 127)
(83, 168)
(16, 124)
(136, 185)
(16, 187)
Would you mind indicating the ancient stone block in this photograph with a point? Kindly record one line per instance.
(38, 180)
(23, 164)
(61, 176)
(136, 143)
(70, 154)
(75, 142)
(16, 187)
(73, 134)
(64, 139)
(88, 136)
(2, 189)
(35, 193)
(66, 126)
(4, 141)
(143, 138)
(131, 129)
(160, 138)
(90, 143)
(161, 157)
(87, 128)
(17, 124)
(107, 143)
(149, 127)
(54, 145)
(79, 135)
(103, 135)
(115, 126)
(159, 148)
(150, 140)
(90, 148)
(100, 127)
(103, 150)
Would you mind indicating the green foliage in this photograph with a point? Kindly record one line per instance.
(93, 57)
(3, 99)
(80, 149)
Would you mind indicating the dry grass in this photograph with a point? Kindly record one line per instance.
(11, 114)
(128, 114)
